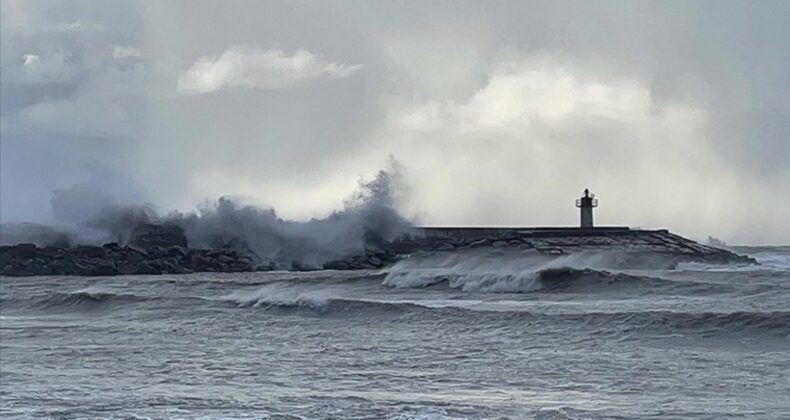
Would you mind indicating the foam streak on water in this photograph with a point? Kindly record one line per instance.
(437, 336)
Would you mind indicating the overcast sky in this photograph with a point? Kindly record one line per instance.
(677, 114)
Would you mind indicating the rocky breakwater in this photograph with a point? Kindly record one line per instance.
(154, 249)
(163, 249)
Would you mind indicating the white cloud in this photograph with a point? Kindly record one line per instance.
(59, 66)
(259, 69)
(120, 52)
(30, 60)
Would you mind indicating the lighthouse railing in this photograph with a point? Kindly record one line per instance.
(593, 202)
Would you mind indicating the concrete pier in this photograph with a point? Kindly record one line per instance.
(564, 240)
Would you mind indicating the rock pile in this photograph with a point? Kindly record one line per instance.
(111, 259)
(153, 249)
(372, 259)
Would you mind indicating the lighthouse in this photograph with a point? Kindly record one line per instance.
(586, 204)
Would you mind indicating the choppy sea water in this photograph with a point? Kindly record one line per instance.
(442, 337)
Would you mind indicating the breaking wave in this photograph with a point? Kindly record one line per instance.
(560, 279)
(520, 272)
(89, 217)
(284, 297)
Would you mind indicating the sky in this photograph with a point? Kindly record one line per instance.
(675, 113)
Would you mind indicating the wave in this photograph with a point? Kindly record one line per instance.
(555, 279)
(280, 298)
(286, 297)
(86, 299)
(505, 271)
(770, 262)
(705, 323)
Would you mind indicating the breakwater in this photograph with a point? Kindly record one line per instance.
(158, 249)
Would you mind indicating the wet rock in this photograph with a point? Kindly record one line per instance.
(165, 236)
(297, 266)
(105, 267)
(112, 246)
(479, 242)
(265, 267)
(26, 250)
(342, 265)
(176, 251)
(128, 268)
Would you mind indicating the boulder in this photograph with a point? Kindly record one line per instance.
(105, 267)
(265, 267)
(165, 236)
(176, 251)
(25, 250)
(86, 251)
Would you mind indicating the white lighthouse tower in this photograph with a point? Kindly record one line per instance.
(586, 205)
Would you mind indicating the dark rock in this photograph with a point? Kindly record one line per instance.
(128, 268)
(148, 268)
(83, 269)
(226, 259)
(105, 267)
(336, 265)
(176, 251)
(26, 250)
(112, 246)
(265, 267)
(165, 236)
(86, 251)
(156, 251)
(297, 266)
(479, 242)
(131, 248)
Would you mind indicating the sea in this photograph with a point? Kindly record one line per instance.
(445, 335)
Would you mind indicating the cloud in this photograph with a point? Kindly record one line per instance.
(255, 68)
(120, 52)
(59, 66)
(539, 130)
(500, 113)
(81, 116)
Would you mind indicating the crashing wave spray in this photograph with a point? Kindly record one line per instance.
(369, 215)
